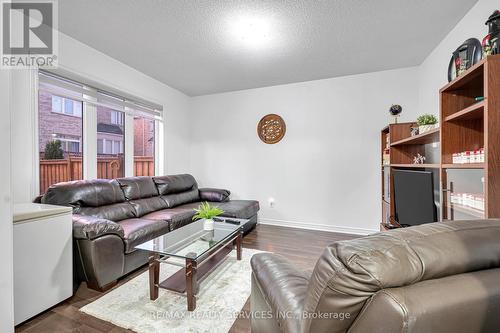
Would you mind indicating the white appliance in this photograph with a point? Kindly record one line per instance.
(43, 258)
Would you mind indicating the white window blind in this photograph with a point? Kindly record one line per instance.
(80, 91)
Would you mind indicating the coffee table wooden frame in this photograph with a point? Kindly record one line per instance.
(187, 279)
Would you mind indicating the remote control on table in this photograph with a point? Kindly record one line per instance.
(232, 222)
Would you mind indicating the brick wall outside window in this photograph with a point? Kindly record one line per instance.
(50, 123)
(71, 127)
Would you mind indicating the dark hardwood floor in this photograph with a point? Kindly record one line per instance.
(303, 247)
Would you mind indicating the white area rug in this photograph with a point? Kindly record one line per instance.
(221, 297)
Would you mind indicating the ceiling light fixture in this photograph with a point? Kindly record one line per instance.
(251, 31)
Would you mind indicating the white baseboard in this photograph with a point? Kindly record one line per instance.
(319, 227)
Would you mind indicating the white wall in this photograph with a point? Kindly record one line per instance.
(23, 136)
(325, 173)
(92, 64)
(6, 276)
(433, 72)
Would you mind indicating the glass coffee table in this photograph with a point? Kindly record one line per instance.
(194, 249)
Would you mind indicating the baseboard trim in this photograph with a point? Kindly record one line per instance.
(315, 226)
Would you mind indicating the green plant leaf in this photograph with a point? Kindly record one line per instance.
(205, 211)
(53, 150)
(427, 119)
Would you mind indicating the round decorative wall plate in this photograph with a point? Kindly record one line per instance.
(271, 128)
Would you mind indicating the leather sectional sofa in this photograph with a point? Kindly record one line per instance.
(111, 217)
(437, 277)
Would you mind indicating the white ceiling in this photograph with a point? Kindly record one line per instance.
(188, 44)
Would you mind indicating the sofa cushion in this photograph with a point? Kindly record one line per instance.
(177, 199)
(115, 212)
(241, 209)
(176, 217)
(283, 286)
(137, 231)
(90, 227)
(214, 194)
(84, 193)
(148, 205)
(138, 187)
(175, 184)
(142, 194)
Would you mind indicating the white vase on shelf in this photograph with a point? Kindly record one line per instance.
(426, 128)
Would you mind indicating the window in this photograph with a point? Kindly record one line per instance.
(109, 146)
(57, 104)
(66, 106)
(117, 147)
(59, 140)
(74, 147)
(100, 146)
(69, 111)
(116, 118)
(106, 146)
(110, 143)
(69, 144)
(144, 146)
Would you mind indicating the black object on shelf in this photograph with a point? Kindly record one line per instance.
(414, 201)
(491, 43)
(464, 57)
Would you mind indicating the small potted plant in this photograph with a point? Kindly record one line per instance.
(426, 122)
(207, 212)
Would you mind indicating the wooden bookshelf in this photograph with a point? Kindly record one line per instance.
(475, 111)
(416, 166)
(475, 73)
(425, 138)
(463, 166)
(470, 125)
(402, 149)
(470, 120)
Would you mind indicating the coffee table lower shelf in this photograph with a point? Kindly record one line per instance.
(177, 281)
(187, 279)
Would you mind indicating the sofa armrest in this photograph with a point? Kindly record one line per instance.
(283, 286)
(89, 227)
(214, 194)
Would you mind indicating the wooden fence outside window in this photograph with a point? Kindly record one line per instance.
(70, 168)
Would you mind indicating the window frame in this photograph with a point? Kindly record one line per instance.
(63, 101)
(109, 140)
(155, 140)
(67, 141)
(88, 144)
(116, 118)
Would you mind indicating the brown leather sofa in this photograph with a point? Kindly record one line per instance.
(111, 217)
(438, 277)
